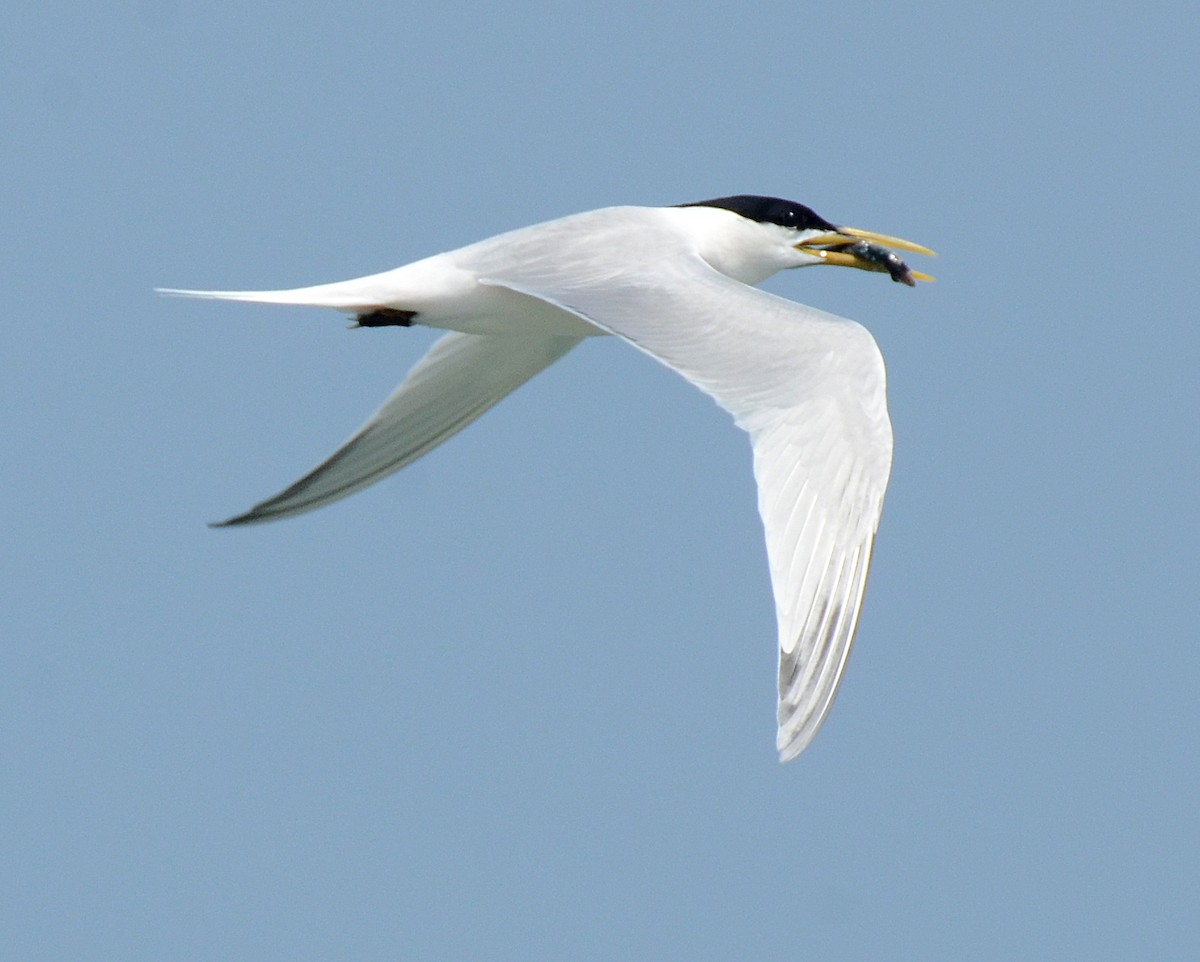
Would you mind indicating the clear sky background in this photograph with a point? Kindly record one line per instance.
(517, 702)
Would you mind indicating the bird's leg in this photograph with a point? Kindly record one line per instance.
(385, 317)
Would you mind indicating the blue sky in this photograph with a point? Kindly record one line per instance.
(517, 701)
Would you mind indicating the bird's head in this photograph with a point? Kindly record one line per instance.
(749, 238)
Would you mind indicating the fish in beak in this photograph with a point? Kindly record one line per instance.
(868, 251)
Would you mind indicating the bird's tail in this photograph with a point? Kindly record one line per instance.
(353, 295)
(360, 295)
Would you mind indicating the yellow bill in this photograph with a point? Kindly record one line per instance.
(867, 251)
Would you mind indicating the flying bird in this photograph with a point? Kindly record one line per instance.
(677, 283)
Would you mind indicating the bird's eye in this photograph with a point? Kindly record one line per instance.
(788, 219)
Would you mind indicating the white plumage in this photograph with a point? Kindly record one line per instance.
(808, 387)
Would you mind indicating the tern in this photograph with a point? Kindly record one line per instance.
(677, 283)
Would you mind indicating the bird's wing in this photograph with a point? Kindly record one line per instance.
(461, 377)
(809, 389)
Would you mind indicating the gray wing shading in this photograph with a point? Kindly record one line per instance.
(460, 377)
(808, 387)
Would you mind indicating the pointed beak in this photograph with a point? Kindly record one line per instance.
(868, 251)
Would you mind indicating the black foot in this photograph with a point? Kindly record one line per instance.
(386, 317)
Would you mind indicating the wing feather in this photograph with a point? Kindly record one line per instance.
(460, 377)
(809, 389)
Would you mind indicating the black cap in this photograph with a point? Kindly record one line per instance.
(769, 210)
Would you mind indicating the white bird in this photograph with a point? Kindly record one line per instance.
(808, 387)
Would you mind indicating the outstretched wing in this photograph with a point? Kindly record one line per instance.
(460, 377)
(809, 389)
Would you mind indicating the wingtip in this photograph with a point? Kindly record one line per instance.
(791, 742)
(788, 754)
(237, 520)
